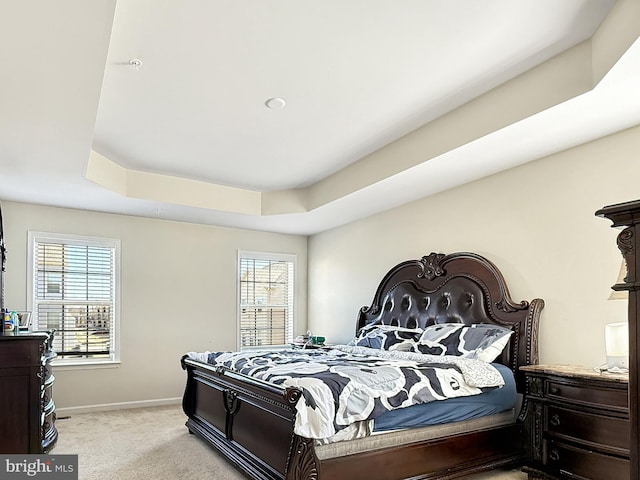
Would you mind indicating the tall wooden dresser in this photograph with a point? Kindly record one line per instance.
(627, 216)
(27, 410)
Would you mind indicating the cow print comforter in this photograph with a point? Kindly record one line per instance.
(347, 385)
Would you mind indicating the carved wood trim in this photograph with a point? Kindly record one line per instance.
(303, 462)
(533, 328)
(537, 432)
(231, 406)
(431, 266)
(625, 243)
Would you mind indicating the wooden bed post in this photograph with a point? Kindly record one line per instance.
(628, 215)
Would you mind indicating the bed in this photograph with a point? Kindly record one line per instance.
(252, 422)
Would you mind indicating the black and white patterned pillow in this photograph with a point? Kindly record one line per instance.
(480, 341)
(387, 337)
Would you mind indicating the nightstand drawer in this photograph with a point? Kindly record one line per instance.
(607, 433)
(573, 462)
(607, 397)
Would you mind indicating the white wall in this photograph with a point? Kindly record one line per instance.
(178, 292)
(535, 222)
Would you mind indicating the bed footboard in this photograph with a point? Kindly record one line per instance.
(251, 424)
(248, 421)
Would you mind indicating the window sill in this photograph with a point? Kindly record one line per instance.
(265, 347)
(85, 365)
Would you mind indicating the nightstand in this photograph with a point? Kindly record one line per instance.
(577, 423)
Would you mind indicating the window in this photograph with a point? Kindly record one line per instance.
(266, 299)
(74, 291)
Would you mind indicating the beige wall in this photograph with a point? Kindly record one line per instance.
(178, 291)
(535, 222)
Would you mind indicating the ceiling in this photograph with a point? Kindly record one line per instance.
(378, 96)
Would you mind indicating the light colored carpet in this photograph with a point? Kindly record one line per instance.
(153, 443)
(143, 443)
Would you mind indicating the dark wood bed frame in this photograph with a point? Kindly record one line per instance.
(250, 422)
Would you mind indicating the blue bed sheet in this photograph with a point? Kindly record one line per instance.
(453, 409)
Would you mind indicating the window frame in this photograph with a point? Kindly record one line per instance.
(81, 240)
(267, 256)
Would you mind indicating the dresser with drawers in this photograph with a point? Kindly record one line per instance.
(577, 423)
(27, 409)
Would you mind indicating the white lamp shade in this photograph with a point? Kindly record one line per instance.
(616, 336)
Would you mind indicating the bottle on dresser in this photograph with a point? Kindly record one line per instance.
(10, 321)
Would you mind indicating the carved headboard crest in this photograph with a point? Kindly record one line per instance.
(431, 266)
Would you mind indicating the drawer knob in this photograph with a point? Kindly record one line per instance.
(554, 455)
(555, 420)
(554, 390)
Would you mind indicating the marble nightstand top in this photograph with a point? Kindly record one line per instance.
(577, 371)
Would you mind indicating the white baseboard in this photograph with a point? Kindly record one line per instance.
(67, 411)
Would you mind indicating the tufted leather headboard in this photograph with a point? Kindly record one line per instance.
(459, 288)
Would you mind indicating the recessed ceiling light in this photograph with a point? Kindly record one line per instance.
(136, 63)
(275, 103)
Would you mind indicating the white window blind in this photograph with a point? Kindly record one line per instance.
(266, 286)
(74, 292)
